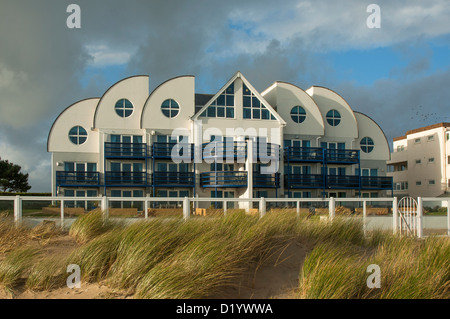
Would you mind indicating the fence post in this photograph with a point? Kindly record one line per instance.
(419, 217)
(262, 207)
(448, 217)
(18, 210)
(146, 207)
(62, 214)
(186, 208)
(332, 208)
(395, 215)
(104, 206)
(298, 208)
(224, 207)
(364, 216)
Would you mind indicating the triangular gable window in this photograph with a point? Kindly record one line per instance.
(223, 106)
(253, 108)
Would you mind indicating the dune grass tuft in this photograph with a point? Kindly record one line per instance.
(16, 263)
(90, 225)
(409, 269)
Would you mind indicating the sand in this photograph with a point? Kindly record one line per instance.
(274, 277)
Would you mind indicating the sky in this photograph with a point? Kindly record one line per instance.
(398, 74)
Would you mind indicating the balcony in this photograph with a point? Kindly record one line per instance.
(223, 179)
(342, 181)
(376, 182)
(304, 181)
(177, 151)
(173, 179)
(304, 154)
(126, 179)
(266, 180)
(125, 150)
(268, 151)
(215, 150)
(72, 179)
(336, 156)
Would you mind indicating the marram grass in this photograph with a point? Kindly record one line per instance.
(409, 269)
(90, 225)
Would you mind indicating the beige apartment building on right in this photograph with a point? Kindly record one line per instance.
(420, 162)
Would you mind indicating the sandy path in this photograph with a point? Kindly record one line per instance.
(276, 278)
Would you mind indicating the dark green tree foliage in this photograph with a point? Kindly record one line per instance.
(11, 179)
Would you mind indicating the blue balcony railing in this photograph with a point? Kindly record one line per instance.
(266, 180)
(376, 182)
(223, 179)
(173, 150)
(304, 154)
(336, 156)
(342, 181)
(173, 179)
(126, 179)
(304, 181)
(236, 150)
(125, 150)
(70, 178)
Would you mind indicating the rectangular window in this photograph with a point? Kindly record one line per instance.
(418, 183)
(431, 160)
(431, 182)
(417, 141)
(431, 138)
(418, 161)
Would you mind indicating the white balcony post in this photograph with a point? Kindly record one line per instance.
(419, 217)
(186, 208)
(395, 215)
(332, 208)
(62, 214)
(17, 210)
(262, 207)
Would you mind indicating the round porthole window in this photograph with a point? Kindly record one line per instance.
(298, 114)
(170, 108)
(77, 135)
(367, 145)
(124, 108)
(333, 117)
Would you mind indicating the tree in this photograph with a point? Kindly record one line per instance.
(11, 179)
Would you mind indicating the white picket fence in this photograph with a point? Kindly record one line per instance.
(187, 201)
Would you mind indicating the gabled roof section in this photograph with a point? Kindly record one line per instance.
(216, 96)
(250, 87)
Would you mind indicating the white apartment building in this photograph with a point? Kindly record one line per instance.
(123, 143)
(420, 162)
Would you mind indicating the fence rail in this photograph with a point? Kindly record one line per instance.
(187, 201)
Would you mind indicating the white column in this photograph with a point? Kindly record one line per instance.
(104, 207)
(146, 206)
(332, 208)
(62, 214)
(17, 210)
(395, 215)
(262, 207)
(186, 208)
(448, 217)
(419, 217)
(364, 216)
